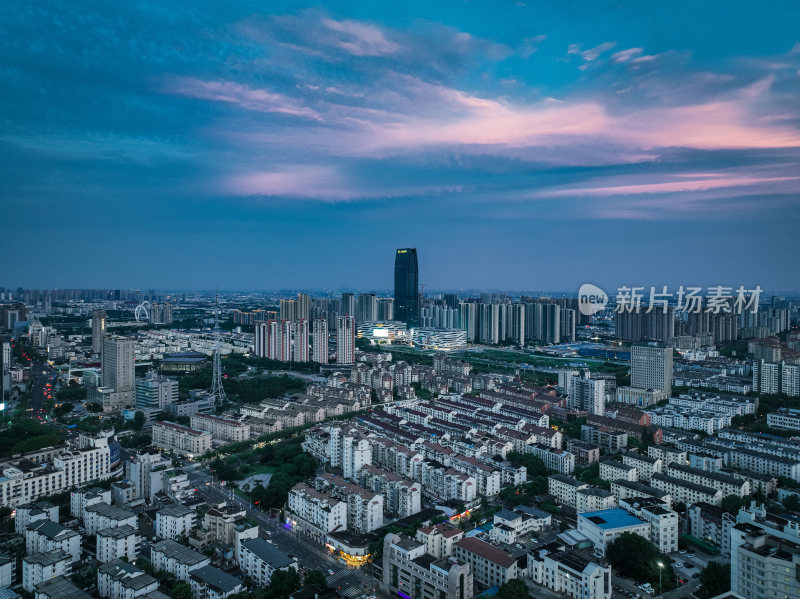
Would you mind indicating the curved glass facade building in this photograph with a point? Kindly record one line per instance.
(406, 287)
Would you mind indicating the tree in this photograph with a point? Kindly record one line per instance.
(792, 503)
(731, 503)
(138, 420)
(181, 590)
(715, 579)
(513, 589)
(283, 583)
(635, 556)
(317, 579)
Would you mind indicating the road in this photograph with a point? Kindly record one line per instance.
(311, 556)
(42, 375)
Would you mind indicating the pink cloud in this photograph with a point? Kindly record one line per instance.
(716, 181)
(248, 98)
(319, 183)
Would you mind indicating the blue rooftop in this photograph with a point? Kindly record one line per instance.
(611, 518)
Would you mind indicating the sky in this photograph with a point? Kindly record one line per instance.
(516, 145)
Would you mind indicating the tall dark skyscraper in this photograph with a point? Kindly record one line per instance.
(406, 287)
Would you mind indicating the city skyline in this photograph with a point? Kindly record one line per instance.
(516, 146)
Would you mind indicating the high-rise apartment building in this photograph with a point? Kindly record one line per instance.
(366, 308)
(385, 308)
(345, 340)
(489, 323)
(348, 305)
(288, 309)
(567, 324)
(406, 286)
(651, 367)
(98, 330)
(319, 352)
(587, 394)
(300, 334)
(303, 306)
(551, 323)
(273, 339)
(468, 320)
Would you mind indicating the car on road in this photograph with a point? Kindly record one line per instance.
(682, 551)
(678, 564)
(331, 572)
(688, 565)
(690, 555)
(696, 575)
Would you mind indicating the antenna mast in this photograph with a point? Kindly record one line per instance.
(217, 392)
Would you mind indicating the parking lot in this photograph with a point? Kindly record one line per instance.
(691, 563)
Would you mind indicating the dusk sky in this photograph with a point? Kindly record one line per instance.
(518, 145)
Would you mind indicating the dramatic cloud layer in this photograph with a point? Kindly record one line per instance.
(476, 131)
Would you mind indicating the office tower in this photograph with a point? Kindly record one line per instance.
(489, 316)
(366, 308)
(156, 392)
(468, 320)
(651, 367)
(385, 308)
(406, 287)
(98, 330)
(451, 300)
(118, 370)
(288, 309)
(348, 305)
(303, 306)
(567, 324)
(300, 334)
(551, 323)
(587, 394)
(345, 340)
(320, 341)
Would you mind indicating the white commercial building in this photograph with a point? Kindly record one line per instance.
(22, 482)
(604, 526)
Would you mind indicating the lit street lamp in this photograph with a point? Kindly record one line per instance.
(660, 568)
